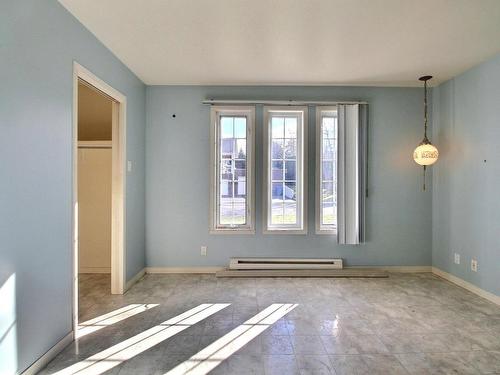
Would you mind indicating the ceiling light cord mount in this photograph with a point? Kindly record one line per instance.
(426, 153)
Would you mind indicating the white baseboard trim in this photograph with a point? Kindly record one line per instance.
(466, 285)
(183, 269)
(401, 269)
(94, 270)
(405, 269)
(44, 360)
(135, 279)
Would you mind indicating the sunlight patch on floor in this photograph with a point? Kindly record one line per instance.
(210, 357)
(129, 348)
(112, 317)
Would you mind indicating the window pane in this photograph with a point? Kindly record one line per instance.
(240, 164)
(240, 127)
(227, 147)
(239, 212)
(329, 149)
(290, 191)
(290, 146)
(224, 188)
(240, 188)
(240, 183)
(240, 174)
(277, 212)
(327, 174)
(329, 217)
(226, 127)
(278, 127)
(327, 192)
(277, 170)
(226, 212)
(329, 130)
(290, 215)
(329, 214)
(277, 190)
(226, 169)
(277, 149)
(328, 207)
(290, 170)
(291, 127)
(285, 131)
(240, 151)
(232, 156)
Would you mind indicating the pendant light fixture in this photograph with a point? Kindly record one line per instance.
(426, 153)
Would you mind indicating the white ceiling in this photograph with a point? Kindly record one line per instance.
(318, 42)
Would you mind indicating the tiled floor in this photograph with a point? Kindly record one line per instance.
(406, 324)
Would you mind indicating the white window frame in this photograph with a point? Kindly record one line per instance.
(321, 111)
(301, 228)
(215, 114)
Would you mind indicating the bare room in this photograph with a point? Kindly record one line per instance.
(266, 187)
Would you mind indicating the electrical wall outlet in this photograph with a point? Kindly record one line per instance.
(473, 265)
(457, 258)
(203, 251)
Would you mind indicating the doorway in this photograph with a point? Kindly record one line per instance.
(98, 187)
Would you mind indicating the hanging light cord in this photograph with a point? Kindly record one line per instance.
(425, 109)
(425, 121)
(425, 140)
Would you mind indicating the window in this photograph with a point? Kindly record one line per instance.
(285, 131)
(231, 203)
(326, 173)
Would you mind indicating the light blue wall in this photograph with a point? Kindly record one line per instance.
(466, 201)
(177, 180)
(39, 40)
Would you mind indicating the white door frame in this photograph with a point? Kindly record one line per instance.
(118, 182)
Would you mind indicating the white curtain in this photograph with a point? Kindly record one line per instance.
(351, 173)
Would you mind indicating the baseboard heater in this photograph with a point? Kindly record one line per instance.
(294, 267)
(284, 264)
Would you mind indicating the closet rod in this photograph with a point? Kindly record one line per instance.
(94, 147)
(94, 144)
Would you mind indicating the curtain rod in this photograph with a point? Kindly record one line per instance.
(278, 102)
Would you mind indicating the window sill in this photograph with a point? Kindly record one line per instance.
(285, 231)
(328, 232)
(231, 231)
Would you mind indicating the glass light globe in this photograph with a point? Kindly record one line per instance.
(425, 153)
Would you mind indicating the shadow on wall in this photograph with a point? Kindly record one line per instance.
(8, 329)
